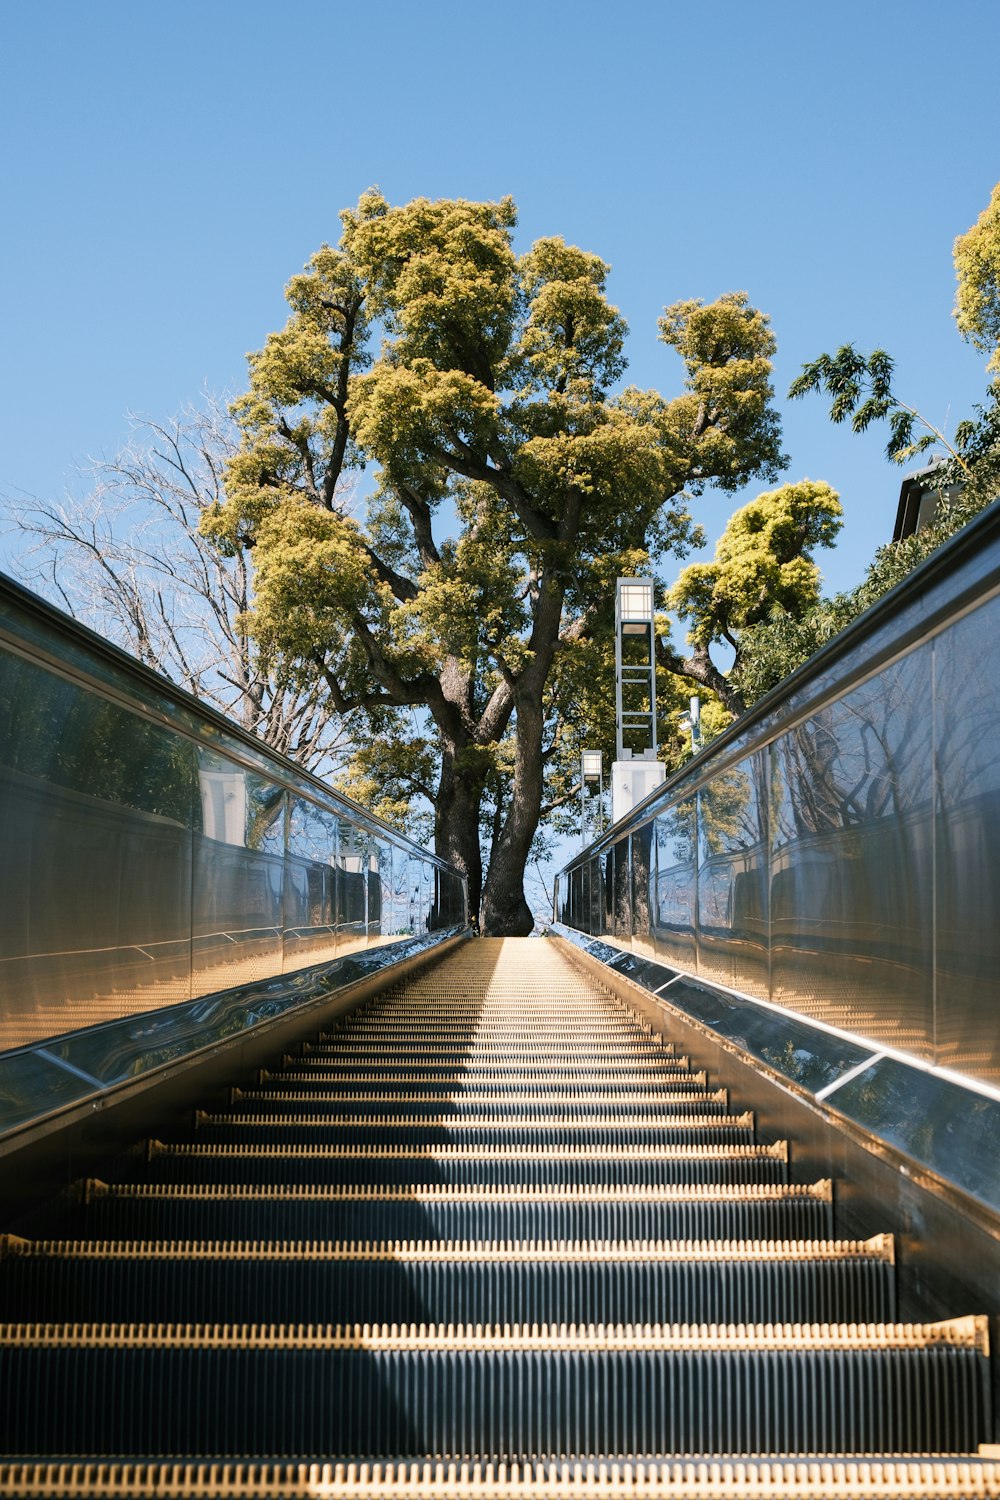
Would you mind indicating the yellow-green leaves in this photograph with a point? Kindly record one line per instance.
(977, 266)
(573, 338)
(310, 575)
(442, 276)
(762, 561)
(408, 416)
(726, 419)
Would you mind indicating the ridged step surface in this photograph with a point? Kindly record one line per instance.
(486, 1237)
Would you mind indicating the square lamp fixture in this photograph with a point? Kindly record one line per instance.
(635, 605)
(593, 765)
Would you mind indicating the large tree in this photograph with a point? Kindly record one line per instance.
(514, 478)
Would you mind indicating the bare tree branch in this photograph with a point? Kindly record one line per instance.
(128, 560)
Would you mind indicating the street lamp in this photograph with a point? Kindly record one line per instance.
(636, 771)
(691, 723)
(591, 769)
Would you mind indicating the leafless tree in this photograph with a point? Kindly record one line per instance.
(129, 561)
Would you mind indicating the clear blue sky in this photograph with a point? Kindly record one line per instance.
(167, 168)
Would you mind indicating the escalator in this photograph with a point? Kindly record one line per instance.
(489, 1237)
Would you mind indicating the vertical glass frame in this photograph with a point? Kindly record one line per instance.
(675, 894)
(967, 844)
(851, 896)
(238, 903)
(733, 877)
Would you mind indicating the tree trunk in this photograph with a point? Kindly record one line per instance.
(506, 912)
(456, 822)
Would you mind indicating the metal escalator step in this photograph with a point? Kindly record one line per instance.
(412, 1106)
(503, 1393)
(305, 1068)
(417, 1023)
(570, 1085)
(272, 1211)
(457, 1165)
(465, 1281)
(638, 1050)
(960, 1478)
(615, 1130)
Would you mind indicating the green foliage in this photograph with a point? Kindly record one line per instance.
(977, 267)
(860, 387)
(763, 563)
(393, 775)
(777, 645)
(762, 559)
(727, 349)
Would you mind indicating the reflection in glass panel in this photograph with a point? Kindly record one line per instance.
(237, 910)
(401, 915)
(144, 864)
(607, 871)
(676, 876)
(426, 898)
(310, 897)
(97, 806)
(643, 875)
(352, 887)
(938, 1123)
(68, 736)
(374, 926)
(967, 727)
(622, 892)
(851, 870)
(732, 877)
(595, 897)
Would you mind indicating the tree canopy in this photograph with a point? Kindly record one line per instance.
(763, 562)
(977, 268)
(514, 477)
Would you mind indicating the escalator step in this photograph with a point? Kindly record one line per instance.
(653, 1166)
(467, 1281)
(614, 1130)
(410, 1106)
(141, 1210)
(494, 1394)
(720, 1479)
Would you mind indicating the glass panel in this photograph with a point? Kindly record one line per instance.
(732, 877)
(643, 876)
(352, 884)
(851, 870)
(595, 897)
(68, 737)
(310, 931)
(622, 893)
(676, 884)
(967, 726)
(239, 877)
(938, 1123)
(426, 897)
(407, 895)
(374, 928)
(97, 806)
